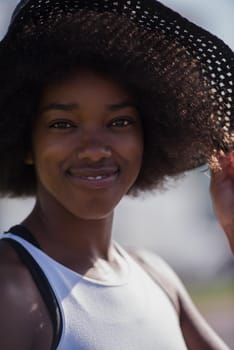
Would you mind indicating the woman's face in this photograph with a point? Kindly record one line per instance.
(87, 145)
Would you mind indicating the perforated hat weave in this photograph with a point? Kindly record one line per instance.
(214, 56)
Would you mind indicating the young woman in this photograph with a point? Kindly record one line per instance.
(100, 100)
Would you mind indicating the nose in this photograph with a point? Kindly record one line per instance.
(93, 148)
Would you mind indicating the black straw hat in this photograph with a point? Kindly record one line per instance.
(215, 58)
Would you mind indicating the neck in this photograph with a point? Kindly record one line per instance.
(68, 238)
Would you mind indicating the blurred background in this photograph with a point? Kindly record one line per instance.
(178, 224)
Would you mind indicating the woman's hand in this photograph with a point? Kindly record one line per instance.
(222, 194)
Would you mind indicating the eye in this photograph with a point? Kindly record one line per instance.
(61, 124)
(121, 122)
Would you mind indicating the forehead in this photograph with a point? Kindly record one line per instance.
(85, 85)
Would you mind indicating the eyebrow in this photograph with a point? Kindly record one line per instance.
(59, 107)
(68, 107)
(121, 105)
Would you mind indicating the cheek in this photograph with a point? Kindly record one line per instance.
(133, 148)
(48, 158)
(45, 147)
(137, 146)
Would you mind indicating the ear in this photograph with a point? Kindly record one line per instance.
(28, 160)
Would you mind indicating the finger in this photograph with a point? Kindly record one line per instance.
(222, 162)
(224, 173)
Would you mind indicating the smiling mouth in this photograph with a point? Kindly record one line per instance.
(94, 177)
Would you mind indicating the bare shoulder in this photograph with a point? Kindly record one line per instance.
(23, 315)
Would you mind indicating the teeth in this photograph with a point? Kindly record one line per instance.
(95, 177)
(91, 177)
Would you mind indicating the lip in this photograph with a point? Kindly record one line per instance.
(85, 172)
(93, 178)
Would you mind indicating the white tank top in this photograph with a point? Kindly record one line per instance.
(134, 314)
